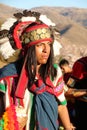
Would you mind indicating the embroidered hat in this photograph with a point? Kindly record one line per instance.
(30, 33)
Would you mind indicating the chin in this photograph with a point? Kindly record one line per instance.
(44, 62)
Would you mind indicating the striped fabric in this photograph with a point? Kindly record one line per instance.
(45, 104)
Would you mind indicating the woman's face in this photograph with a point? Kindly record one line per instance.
(42, 52)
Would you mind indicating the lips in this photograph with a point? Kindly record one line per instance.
(45, 56)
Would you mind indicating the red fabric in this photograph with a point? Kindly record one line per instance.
(22, 83)
(36, 27)
(80, 68)
(67, 76)
(19, 28)
(39, 87)
(38, 41)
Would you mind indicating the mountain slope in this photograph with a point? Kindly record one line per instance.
(70, 22)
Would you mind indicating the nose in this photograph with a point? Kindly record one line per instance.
(45, 47)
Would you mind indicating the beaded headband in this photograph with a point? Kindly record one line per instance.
(36, 34)
(27, 34)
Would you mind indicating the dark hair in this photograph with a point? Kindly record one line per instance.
(45, 69)
(63, 62)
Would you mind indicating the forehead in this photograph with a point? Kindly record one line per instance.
(44, 42)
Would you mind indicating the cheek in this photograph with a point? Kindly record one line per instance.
(48, 50)
(42, 54)
(38, 54)
(38, 51)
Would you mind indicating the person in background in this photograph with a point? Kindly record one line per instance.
(75, 79)
(65, 66)
(35, 75)
(79, 73)
(68, 77)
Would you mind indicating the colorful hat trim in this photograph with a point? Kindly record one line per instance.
(37, 33)
(18, 31)
(31, 35)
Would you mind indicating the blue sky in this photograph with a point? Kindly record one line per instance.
(28, 4)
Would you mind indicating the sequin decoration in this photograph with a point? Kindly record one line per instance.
(38, 34)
